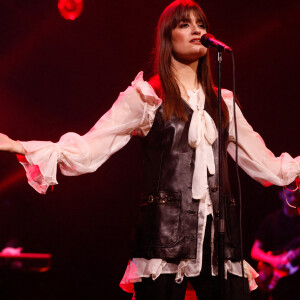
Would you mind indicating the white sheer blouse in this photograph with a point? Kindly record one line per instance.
(133, 113)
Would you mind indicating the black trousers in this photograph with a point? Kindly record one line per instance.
(205, 285)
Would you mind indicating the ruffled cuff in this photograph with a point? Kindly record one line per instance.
(40, 164)
(41, 159)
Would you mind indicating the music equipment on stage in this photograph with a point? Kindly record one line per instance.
(32, 262)
(270, 276)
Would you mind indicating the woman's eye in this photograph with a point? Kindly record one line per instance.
(201, 26)
(183, 25)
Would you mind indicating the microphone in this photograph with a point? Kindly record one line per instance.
(208, 40)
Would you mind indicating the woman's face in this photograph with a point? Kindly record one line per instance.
(186, 44)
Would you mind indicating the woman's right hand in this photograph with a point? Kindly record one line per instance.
(7, 144)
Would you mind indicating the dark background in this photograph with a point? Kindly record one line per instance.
(58, 76)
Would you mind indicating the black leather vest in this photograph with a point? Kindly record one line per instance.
(168, 219)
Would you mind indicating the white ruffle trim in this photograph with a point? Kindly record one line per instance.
(149, 96)
(139, 268)
(41, 158)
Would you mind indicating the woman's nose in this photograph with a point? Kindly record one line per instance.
(196, 31)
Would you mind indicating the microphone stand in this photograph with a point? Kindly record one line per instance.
(221, 225)
(208, 40)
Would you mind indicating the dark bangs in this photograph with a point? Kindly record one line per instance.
(180, 11)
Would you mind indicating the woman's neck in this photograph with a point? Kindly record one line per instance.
(186, 75)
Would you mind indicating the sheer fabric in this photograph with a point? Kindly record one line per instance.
(133, 113)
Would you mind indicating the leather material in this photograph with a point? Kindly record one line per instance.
(168, 219)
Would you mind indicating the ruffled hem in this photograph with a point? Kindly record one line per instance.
(236, 269)
(143, 268)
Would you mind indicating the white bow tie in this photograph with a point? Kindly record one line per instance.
(202, 134)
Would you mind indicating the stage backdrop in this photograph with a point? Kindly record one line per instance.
(58, 76)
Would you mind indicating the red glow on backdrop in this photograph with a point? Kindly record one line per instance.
(70, 9)
(12, 180)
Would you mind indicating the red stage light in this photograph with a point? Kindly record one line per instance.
(70, 9)
(11, 180)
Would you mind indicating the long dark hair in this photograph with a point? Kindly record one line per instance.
(165, 83)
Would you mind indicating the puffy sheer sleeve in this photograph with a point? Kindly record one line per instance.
(133, 112)
(254, 157)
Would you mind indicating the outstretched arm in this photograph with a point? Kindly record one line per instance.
(254, 157)
(7, 144)
(133, 111)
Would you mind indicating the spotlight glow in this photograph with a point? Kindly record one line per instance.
(70, 9)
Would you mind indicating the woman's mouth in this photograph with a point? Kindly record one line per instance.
(196, 41)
